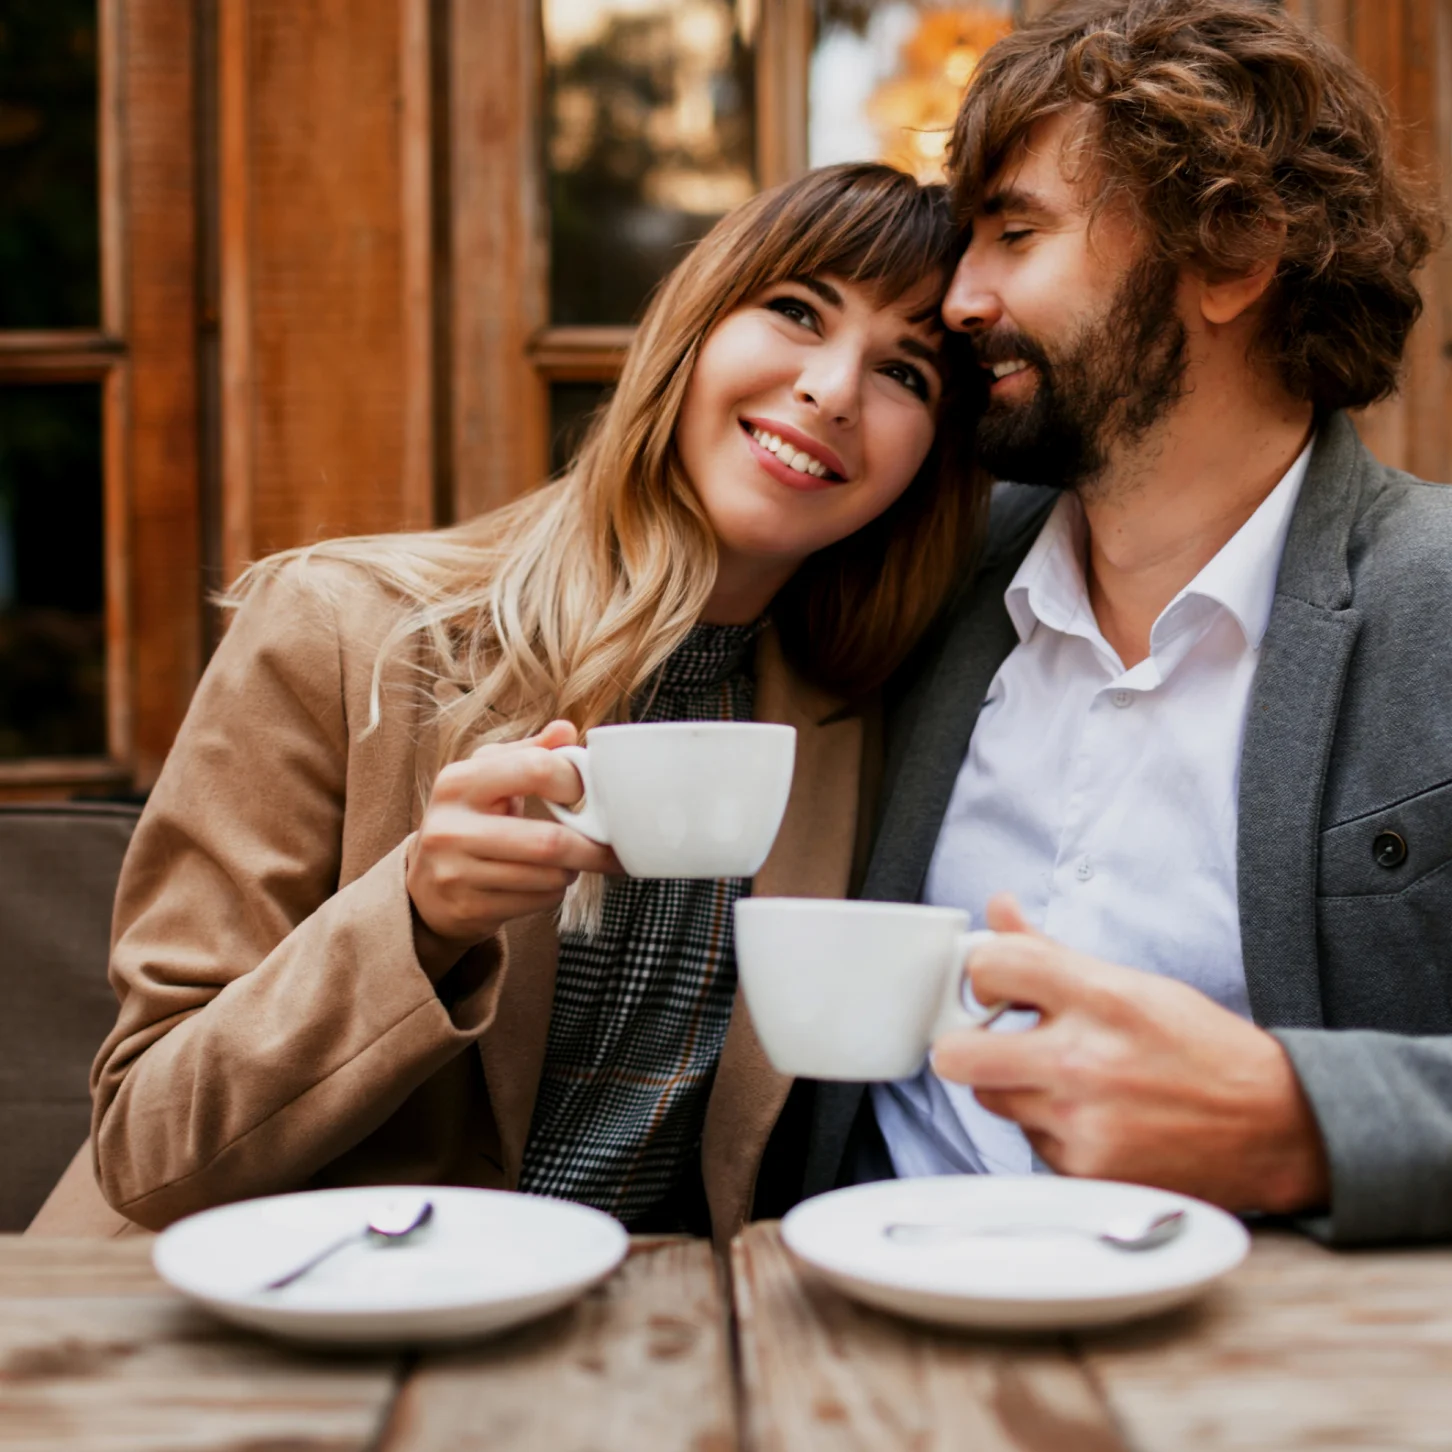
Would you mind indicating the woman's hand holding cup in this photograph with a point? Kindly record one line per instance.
(478, 861)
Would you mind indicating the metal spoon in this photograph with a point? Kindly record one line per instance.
(1127, 1233)
(391, 1225)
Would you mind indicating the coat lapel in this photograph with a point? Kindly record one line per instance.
(512, 1048)
(1289, 730)
(812, 857)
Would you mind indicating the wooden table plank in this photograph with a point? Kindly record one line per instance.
(97, 1355)
(1301, 1347)
(33, 1266)
(822, 1373)
(640, 1365)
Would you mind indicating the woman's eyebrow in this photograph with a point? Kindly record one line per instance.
(824, 290)
(922, 350)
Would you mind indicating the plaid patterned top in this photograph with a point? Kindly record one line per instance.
(641, 1007)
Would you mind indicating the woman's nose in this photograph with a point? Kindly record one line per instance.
(971, 305)
(832, 383)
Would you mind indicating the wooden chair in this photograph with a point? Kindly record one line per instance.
(58, 869)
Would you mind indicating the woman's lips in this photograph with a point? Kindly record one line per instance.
(784, 473)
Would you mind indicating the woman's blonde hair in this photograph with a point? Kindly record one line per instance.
(565, 602)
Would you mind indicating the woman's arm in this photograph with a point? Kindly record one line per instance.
(269, 1020)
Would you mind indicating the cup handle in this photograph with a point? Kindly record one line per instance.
(953, 1014)
(587, 820)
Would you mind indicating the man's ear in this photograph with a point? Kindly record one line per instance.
(1222, 302)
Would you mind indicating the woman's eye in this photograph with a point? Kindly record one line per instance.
(795, 309)
(1015, 236)
(913, 379)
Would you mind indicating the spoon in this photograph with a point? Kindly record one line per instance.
(392, 1225)
(1130, 1232)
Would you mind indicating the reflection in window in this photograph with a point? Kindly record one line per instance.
(572, 407)
(888, 75)
(49, 238)
(651, 136)
(52, 622)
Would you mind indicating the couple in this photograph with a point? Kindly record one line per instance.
(1171, 719)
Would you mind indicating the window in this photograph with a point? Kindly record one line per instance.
(99, 587)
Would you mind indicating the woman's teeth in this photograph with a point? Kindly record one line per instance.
(1014, 365)
(790, 455)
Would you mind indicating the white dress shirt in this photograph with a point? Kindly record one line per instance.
(1104, 799)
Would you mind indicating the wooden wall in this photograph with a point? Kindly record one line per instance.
(1406, 47)
(327, 347)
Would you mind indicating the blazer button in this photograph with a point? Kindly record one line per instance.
(1389, 849)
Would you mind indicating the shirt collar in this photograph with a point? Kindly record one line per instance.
(1242, 577)
(1049, 587)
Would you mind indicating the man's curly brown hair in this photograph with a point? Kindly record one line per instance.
(1236, 135)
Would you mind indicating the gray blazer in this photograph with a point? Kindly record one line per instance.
(1346, 930)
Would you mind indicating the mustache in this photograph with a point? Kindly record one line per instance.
(1003, 346)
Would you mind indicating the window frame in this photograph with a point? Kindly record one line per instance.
(146, 187)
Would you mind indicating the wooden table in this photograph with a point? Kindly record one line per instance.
(1301, 1348)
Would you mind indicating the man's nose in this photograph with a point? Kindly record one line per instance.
(970, 306)
(832, 383)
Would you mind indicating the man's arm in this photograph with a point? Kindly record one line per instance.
(1383, 1103)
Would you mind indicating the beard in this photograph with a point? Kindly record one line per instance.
(1118, 377)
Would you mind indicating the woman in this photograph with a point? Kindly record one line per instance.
(336, 893)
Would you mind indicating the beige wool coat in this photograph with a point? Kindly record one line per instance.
(276, 1029)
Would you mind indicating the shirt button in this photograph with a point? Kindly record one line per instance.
(1084, 871)
(1123, 699)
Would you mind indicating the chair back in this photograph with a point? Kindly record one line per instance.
(58, 869)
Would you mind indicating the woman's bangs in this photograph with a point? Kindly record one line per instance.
(879, 229)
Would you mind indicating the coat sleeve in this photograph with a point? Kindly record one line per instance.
(1384, 1106)
(269, 1019)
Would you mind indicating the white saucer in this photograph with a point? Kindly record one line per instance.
(488, 1259)
(1041, 1281)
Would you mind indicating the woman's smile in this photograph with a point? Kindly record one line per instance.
(791, 457)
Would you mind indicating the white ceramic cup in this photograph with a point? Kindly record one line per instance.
(853, 990)
(684, 798)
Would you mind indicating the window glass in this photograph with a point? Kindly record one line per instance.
(52, 620)
(650, 130)
(572, 406)
(887, 77)
(49, 237)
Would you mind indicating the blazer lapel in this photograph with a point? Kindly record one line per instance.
(811, 857)
(1289, 730)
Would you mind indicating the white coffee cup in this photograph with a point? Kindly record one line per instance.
(853, 990)
(684, 798)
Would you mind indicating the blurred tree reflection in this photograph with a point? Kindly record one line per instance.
(651, 137)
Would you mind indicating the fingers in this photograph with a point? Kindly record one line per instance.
(1017, 968)
(985, 1060)
(495, 774)
(488, 838)
(557, 733)
(1003, 915)
(1028, 1108)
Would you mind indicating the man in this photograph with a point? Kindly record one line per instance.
(1194, 713)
